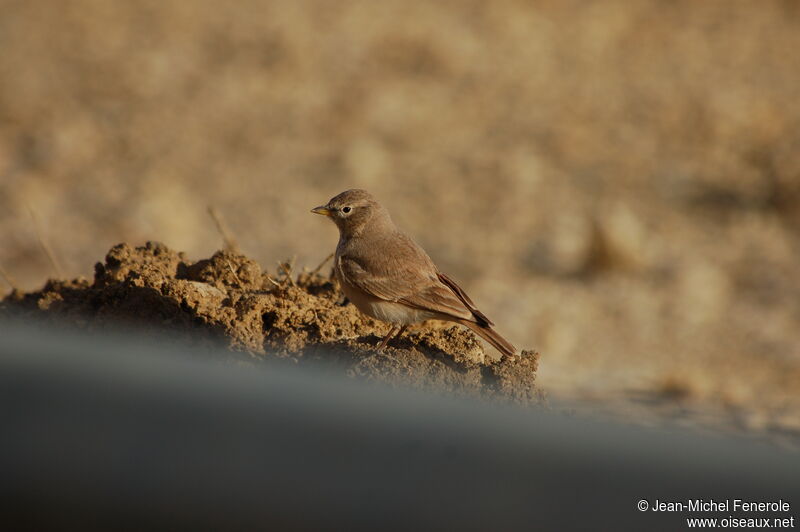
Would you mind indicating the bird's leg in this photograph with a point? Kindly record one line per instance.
(392, 334)
(387, 338)
(401, 331)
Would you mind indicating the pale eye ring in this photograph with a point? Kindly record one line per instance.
(346, 209)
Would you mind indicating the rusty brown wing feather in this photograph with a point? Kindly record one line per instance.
(438, 298)
(480, 317)
(410, 286)
(482, 325)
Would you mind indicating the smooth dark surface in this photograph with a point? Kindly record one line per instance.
(95, 436)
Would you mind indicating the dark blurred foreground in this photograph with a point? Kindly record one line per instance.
(101, 437)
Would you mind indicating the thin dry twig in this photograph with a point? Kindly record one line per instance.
(273, 281)
(235, 276)
(286, 268)
(8, 279)
(228, 241)
(316, 270)
(48, 251)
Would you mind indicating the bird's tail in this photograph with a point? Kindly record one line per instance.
(493, 337)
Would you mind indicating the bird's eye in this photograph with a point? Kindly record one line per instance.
(346, 209)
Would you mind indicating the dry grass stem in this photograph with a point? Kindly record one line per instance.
(235, 276)
(228, 241)
(286, 268)
(8, 279)
(46, 249)
(321, 264)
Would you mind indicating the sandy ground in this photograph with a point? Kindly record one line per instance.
(616, 185)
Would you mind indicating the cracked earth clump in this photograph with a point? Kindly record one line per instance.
(301, 319)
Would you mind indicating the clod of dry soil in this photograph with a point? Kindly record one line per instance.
(273, 318)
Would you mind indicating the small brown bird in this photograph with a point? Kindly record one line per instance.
(387, 276)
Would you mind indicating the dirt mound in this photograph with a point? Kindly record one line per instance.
(302, 319)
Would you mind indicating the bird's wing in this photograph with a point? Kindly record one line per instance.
(404, 274)
(480, 317)
(439, 298)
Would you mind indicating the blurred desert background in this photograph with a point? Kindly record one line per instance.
(616, 184)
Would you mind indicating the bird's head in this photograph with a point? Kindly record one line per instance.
(354, 210)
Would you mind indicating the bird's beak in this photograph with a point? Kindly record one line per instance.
(321, 210)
